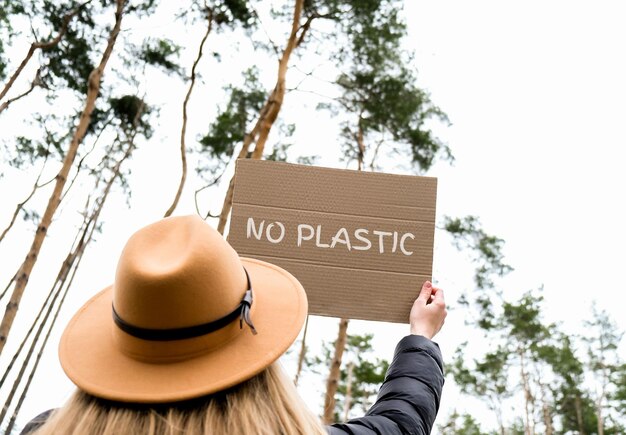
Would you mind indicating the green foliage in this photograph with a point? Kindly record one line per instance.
(572, 403)
(307, 160)
(3, 62)
(360, 376)
(280, 150)
(379, 91)
(486, 253)
(160, 53)
(620, 392)
(553, 374)
(375, 32)
(468, 235)
(461, 424)
(225, 14)
(8, 9)
(279, 153)
(606, 368)
(69, 62)
(229, 127)
(522, 321)
(517, 428)
(230, 12)
(487, 378)
(141, 7)
(26, 151)
(131, 111)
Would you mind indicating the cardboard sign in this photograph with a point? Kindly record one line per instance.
(361, 243)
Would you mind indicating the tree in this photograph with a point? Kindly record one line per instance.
(604, 364)
(360, 377)
(60, 18)
(93, 88)
(129, 117)
(460, 424)
(223, 14)
(487, 379)
(571, 402)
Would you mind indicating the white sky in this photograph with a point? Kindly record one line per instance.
(536, 95)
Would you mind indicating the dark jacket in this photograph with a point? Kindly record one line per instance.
(408, 400)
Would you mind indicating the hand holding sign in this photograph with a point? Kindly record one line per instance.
(428, 312)
(359, 242)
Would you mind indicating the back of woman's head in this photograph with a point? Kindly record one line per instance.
(189, 333)
(267, 404)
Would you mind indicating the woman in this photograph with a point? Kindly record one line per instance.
(186, 341)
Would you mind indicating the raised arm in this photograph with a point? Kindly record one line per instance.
(408, 400)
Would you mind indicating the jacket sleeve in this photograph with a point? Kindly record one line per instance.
(408, 400)
(36, 422)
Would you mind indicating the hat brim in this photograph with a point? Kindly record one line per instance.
(91, 359)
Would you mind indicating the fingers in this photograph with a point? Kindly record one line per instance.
(438, 295)
(427, 289)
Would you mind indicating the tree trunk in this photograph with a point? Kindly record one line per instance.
(70, 263)
(599, 402)
(579, 415)
(270, 110)
(347, 403)
(302, 352)
(183, 132)
(545, 409)
(600, 416)
(335, 371)
(361, 147)
(527, 395)
(26, 268)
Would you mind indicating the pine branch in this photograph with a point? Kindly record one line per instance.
(42, 46)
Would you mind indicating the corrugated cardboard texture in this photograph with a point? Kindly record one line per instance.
(309, 206)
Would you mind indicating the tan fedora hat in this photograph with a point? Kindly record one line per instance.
(185, 317)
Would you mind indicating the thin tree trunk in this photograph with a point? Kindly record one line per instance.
(8, 286)
(545, 409)
(41, 45)
(36, 82)
(74, 261)
(302, 352)
(527, 395)
(55, 291)
(579, 415)
(74, 257)
(45, 341)
(599, 402)
(347, 403)
(21, 205)
(61, 178)
(600, 415)
(496, 406)
(60, 275)
(335, 370)
(271, 108)
(183, 132)
(361, 145)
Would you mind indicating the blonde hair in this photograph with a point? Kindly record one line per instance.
(267, 404)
